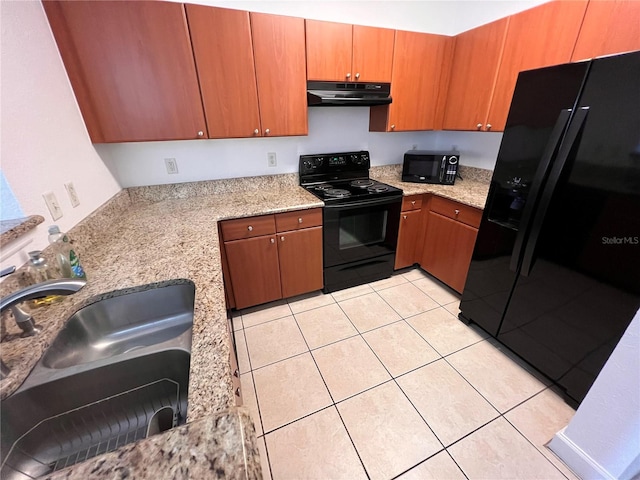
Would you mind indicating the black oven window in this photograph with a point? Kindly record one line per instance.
(362, 228)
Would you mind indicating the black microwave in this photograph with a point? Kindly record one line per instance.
(425, 166)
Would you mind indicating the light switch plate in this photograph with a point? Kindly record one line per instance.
(73, 195)
(53, 205)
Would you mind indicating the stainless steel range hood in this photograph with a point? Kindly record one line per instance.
(352, 94)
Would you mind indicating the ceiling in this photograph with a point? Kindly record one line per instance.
(446, 17)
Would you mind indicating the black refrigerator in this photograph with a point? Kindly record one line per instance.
(555, 272)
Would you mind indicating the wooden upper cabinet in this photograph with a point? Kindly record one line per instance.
(131, 67)
(372, 54)
(539, 37)
(611, 26)
(329, 47)
(341, 52)
(279, 53)
(475, 63)
(416, 83)
(221, 40)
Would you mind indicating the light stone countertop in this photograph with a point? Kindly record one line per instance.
(146, 235)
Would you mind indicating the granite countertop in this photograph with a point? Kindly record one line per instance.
(161, 233)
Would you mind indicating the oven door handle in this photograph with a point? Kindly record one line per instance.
(365, 203)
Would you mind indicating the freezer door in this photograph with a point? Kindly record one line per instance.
(542, 104)
(579, 282)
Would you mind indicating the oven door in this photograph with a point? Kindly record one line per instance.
(360, 230)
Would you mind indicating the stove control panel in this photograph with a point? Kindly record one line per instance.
(334, 163)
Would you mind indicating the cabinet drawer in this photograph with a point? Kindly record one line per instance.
(248, 227)
(299, 219)
(411, 202)
(457, 211)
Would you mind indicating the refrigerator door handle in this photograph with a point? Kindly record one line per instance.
(550, 151)
(574, 130)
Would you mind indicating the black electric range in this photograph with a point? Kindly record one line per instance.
(360, 218)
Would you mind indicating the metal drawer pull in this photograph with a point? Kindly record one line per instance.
(238, 392)
(282, 239)
(413, 202)
(236, 373)
(300, 220)
(404, 216)
(273, 241)
(457, 212)
(250, 228)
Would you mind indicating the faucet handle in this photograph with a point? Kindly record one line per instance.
(25, 322)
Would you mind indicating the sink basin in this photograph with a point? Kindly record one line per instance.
(121, 324)
(117, 372)
(56, 424)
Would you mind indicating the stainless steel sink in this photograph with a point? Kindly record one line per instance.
(121, 324)
(118, 371)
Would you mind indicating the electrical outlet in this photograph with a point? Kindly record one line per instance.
(172, 165)
(53, 205)
(73, 195)
(271, 159)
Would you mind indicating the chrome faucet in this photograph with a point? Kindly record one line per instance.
(64, 286)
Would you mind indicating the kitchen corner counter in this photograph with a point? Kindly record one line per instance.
(472, 190)
(147, 235)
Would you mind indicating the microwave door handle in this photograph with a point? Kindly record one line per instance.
(443, 165)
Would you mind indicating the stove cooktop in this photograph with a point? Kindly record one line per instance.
(342, 178)
(344, 191)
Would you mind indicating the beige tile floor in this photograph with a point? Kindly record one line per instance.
(382, 381)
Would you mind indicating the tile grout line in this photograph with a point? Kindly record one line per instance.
(333, 400)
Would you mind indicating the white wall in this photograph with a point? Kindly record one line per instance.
(44, 140)
(331, 129)
(603, 438)
(445, 17)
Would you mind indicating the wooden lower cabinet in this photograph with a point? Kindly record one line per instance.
(270, 257)
(299, 271)
(410, 226)
(448, 246)
(254, 270)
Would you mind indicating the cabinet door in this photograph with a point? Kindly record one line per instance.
(538, 37)
(448, 246)
(328, 51)
(221, 40)
(300, 255)
(254, 271)
(408, 238)
(418, 60)
(372, 54)
(608, 27)
(476, 59)
(131, 67)
(279, 52)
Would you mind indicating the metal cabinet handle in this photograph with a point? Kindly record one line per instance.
(348, 75)
(267, 131)
(404, 216)
(300, 220)
(250, 228)
(479, 126)
(357, 75)
(413, 202)
(238, 392)
(393, 127)
(273, 241)
(282, 239)
(488, 126)
(236, 373)
(457, 212)
(201, 133)
(256, 131)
